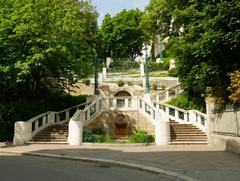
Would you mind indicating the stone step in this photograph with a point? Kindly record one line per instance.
(49, 140)
(189, 143)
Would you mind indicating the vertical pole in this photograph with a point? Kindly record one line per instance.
(96, 90)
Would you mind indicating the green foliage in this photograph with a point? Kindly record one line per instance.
(123, 65)
(45, 39)
(24, 109)
(155, 87)
(120, 83)
(99, 131)
(121, 35)
(204, 40)
(154, 66)
(98, 135)
(130, 83)
(141, 136)
(173, 72)
(187, 102)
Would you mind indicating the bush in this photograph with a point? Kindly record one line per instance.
(25, 108)
(155, 87)
(187, 102)
(130, 83)
(141, 136)
(98, 135)
(173, 72)
(120, 83)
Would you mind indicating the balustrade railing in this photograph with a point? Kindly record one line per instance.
(123, 103)
(166, 94)
(182, 116)
(25, 130)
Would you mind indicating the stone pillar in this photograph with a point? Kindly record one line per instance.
(147, 97)
(75, 129)
(162, 128)
(22, 132)
(104, 73)
(210, 118)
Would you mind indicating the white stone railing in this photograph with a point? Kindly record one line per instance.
(123, 103)
(25, 130)
(147, 109)
(84, 117)
(182, 116)
(167, 94)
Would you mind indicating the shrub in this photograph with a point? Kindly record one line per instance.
(99, 131)
(187, 102)
(141, 136)
(130, 83)
(96, 138)
(120, 83)
(155, 87)
(163, 87)
(173, 72)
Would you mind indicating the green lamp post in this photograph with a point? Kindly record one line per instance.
(147, 83)
(95, 62)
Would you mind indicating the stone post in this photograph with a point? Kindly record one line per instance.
(210, 118)
(75, 129)
(162, 128)
(22, 132)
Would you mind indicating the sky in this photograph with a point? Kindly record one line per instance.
(114, 6)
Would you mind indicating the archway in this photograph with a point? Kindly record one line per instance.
(122, 94)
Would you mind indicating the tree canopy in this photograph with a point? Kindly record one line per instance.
(122, 35)
(204, 39)
(45, 39)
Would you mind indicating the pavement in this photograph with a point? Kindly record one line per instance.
(207, 163)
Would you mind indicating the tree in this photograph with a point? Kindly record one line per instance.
(123, 34)
(45, 39)
(234, 87)
(204, 38)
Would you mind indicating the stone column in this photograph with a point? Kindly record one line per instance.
(162, 128)
(210, 118)
(22, 132)
(75, 129)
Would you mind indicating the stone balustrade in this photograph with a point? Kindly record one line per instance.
(182, 116)
(166, 94)
(25, 130)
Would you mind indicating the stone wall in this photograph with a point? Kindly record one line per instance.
(135, 120)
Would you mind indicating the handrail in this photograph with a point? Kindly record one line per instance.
(165, 93)
(194, 117)
(25, 130)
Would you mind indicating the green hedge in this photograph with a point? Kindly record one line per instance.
(24, 109)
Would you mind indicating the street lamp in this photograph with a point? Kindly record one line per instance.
(147, 83)
(95, 62)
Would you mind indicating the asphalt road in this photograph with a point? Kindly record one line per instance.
(28, 168)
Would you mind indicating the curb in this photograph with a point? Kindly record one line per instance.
(109, 162)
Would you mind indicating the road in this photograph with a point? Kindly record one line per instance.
(28, 168)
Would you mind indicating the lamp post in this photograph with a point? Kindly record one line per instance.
(95, 62)
(147, 83)
(161, 48)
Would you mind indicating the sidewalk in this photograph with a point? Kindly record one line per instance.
(184, 162)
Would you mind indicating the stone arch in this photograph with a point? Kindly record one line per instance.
(122, 93)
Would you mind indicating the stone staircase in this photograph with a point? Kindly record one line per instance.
(186, 134)
(57, 134)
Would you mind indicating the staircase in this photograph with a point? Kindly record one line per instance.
(57, 134)
(186, 134)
